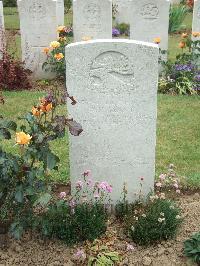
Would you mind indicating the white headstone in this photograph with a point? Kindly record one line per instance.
(115, 85)
(38, 26)
(2, 30)
(150, 19)
(196, 18)
(92, 18)
(60, 12)
(123, 10)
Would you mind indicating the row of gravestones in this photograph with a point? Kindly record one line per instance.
(115, 85)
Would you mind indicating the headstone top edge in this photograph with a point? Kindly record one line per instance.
(148, 44)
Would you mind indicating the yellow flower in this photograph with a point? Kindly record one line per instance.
(182, 45)
(61, 39)
(86, 38)
(54, 44)
(184, 35)
(157, 40)
(196, 34)
(35, 111)
(46, 107)
(46, 50)
(23, 138)
(59, 56)
(60, 28)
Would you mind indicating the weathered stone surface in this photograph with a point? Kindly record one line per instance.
(115, 85)
(38, 25)
(123, 10)
(149, 19)
(196, 18)
(60, 12)
(2, 30)
(92, 18)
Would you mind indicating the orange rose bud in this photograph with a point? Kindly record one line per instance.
(157, 40)
(182, 45)
(184, 35)
(59, 56)
(46, 50)
(35, 111)
(49, 107)
(46, 107)
(23, 138)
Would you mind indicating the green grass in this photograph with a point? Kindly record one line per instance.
(178, 133)
(19, 103)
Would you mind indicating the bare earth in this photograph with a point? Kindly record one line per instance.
(32, 250)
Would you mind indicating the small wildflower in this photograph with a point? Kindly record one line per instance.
(159, 184)
(79, 185)
(172, 207)
(162, 177)
(87, 173)
(62, 195)
(132, 228)
(160, 220)
(178, 191)
(162, 195)
(144, 215)
(184, 35)
(176, 185)
(178, 217)
(80, 254)
(130, 247)
(162, 214)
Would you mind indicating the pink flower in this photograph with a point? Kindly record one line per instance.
(130, 247)
(105, 186)
(80, 254)
(62, 195)
(90, 182)
(72, 204)
(87, 173)
(158, 184)
(79, 185)
(176, 186)
(162, 177)
(178, 191)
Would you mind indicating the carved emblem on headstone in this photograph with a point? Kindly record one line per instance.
(149, 11)
(113, 65)
(37, 10)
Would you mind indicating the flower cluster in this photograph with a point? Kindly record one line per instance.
(115, 32)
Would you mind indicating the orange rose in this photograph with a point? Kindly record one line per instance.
(46, 107)
(59, 56)
(35, 111)
(61, 29)
(196, 34)
(157, 40)
(23, 138)
(182, 45)
(46, 50)
(184, 35)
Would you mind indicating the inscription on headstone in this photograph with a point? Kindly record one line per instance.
(92, 18)
(115, 85)
(196, 18)
(149, 19)
(2, 30)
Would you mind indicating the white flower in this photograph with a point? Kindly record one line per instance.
(160, 220)
(162, 214)
(178, 217)
(162, 195)
(132, 228)
(172, 207)
(136, 218)
(144, 215)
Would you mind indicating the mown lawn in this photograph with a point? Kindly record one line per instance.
(178, 133)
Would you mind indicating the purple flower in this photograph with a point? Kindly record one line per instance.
(72, 204)
(90, 182)
(105, 186)
(184, 67)
(62, 195)
(80, 254)
(197, 77)
(87, 173)
(115, 32)
(196, 88)
(130, 247)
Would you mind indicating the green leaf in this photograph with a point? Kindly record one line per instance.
(16, 230)
(4, 133)
(52, 161)
(43, 199)
(19, 195)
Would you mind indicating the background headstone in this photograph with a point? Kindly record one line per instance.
(38, 26)
(115, 85)
(92, 18)
(60, 12)
(123, 8)
(2, 30)
(196, 18)
(149, 20)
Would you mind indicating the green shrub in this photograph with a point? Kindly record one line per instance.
(176, 17)
(123, 28)
(9, 3)
(159, 220)
(192, 248)
(83, 222)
